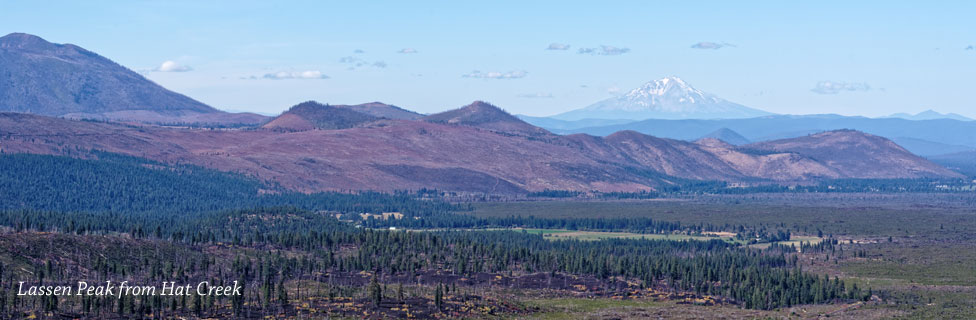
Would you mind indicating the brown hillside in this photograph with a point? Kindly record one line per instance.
(856, 154)
(483, 115)
(382, 110)
(313, 115)
(462, 155)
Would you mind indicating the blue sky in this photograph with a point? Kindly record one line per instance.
(852, 58)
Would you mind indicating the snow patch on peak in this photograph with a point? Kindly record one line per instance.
(672, 86)
(666, 98)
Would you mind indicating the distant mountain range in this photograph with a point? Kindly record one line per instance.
(667, 98)
(65, 80)
(924, 137)
(672, 108)
(476, 148)
(930, 115)
(672, 98)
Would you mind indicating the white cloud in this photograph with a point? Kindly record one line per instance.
(282, 75)
(833, 87)
(358, 51)
(407, 50)
(172, 66)
(711, 45)
(496, 75)
(354, 63)
(613, 90)
(558, 46)
(604, 50)
(535, 95)
(970, 48)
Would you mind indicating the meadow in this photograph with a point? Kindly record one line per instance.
(339, 255)
(915, 252)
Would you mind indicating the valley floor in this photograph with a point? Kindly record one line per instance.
(907, 258)
(916, 252)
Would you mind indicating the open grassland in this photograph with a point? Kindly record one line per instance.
(563, 234)
(582, 308)
(920, 279)
(916, 253)
(869, 220)
(925, 263)
(554, 234)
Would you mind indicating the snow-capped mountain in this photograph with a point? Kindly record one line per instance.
(668, 98)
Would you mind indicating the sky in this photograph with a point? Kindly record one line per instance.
(539, 58)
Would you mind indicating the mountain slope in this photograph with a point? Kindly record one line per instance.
(942, 131)
(462, 156)
(853, 154)
(401, 155)
(311, 115)
(382, 110)
(963, 162)
(65, 80)
(667, 98)
(483, 115)
(727, 136)
(927, 148)
(672, 157)
(771, 166)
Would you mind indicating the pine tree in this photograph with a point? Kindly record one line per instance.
(375, 292)
(439, 296)
(282, 295)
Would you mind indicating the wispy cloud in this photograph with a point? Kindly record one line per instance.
(172, 66)
(407, 50)
(496, 75)
(613, 90)
(833, 87)
(284, 75)
(355, 62)
(558, 46)
(358, 51)
(711, 45)
(535, 95)
(970, 48)
(604, 50)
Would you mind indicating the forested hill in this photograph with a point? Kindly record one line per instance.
(137, 203)
(117, 183)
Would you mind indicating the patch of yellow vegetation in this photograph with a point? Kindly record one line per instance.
(382, 216)
(724, 234)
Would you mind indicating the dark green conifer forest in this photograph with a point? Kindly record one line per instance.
(112, 217)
